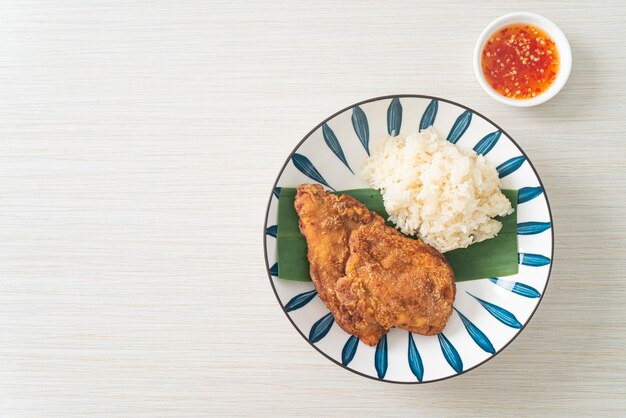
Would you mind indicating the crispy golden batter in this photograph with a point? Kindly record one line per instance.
(370, 276)
(326, 221)
(396, 281)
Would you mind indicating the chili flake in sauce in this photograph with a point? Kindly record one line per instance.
(520, 61)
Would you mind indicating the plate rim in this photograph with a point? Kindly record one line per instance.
(282, 169)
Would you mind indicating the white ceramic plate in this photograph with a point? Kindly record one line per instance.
(489, 313)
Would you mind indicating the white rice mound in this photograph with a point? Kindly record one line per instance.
(432, 188)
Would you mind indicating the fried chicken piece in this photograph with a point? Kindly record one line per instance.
(396, 281)
(327, 221)
(370, 276)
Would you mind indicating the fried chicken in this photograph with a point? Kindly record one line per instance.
(396, 281)
(327, 221)
(370, 276)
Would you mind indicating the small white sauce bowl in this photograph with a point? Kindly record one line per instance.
(565, 56)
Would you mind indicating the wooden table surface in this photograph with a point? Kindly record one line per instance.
(138, 145)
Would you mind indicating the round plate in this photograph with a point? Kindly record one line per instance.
(489, 313)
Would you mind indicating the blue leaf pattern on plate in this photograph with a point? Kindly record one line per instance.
(530, 228)
(496, 313)
(487, 143)
(321, 327)
(532, 260)
(300, 300)
(381, 357)
(394, 117)
(272, 230)
(428, 118)
(501, 314)
(510, 166)
(333, 143)
(274, 270)
(477, 335)
(415, 360)
(450, 353)
(305, 166)
(528, 193)
(349, 350)
(460, 126)
(517, 288)
(361, 127)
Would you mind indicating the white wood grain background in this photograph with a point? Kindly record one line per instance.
(138, 145)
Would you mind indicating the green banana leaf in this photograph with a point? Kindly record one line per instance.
(495, 257)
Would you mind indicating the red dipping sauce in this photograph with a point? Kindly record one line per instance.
(520, 61)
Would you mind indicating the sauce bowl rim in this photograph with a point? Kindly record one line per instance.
(562, 44)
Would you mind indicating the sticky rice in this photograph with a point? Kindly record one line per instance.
(446, 195)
